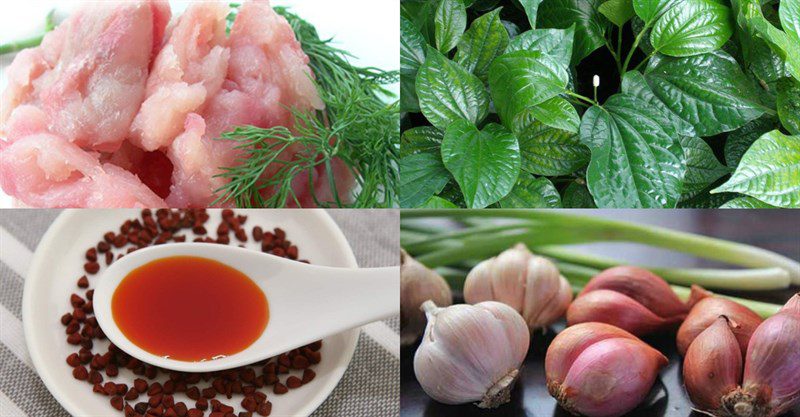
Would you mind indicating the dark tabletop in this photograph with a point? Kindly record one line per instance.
(770, 229)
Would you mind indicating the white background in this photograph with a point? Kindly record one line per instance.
(368, 29)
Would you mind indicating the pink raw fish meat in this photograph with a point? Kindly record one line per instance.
(89, 74)
(187, 72)
(44, 170)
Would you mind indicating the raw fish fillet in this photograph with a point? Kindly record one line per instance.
(188, 71)
(89, 74)
(194, 162)
(44, 170)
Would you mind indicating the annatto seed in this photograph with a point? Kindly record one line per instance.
(280, 389)
(293, 382)
(249, 404)
(308, 375)
(140, 385)
(132, 394)
(264, 409)
(117, 403)
(91, 255)
(193, 412)
(80, 373)
(91, 267)
(73, 360)
(83, 282)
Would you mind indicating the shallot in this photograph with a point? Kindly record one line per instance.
(598, 370)
(530, 284)
(633, 299)
(743, 321)
(471, 353)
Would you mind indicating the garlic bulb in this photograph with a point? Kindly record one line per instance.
(471, 353)
(598, 370)
(530, 284)
(418, 284)
(633, 299)
(743, 321)
(771, 384)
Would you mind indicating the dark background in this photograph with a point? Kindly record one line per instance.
(776, 230)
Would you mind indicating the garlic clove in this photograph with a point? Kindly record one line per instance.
(647, 288)
(610, 378)
(471, 353)
(619, 310)
(771, 384)
(712, 367)
(570, 343)
(707, 311)
(418, 284)
(530, 284)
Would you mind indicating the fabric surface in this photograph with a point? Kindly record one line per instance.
(369, 387)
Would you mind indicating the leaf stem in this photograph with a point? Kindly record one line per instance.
(647, 58)
(633, 48)
(582, 98)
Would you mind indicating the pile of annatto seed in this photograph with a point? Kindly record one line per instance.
(151, 393)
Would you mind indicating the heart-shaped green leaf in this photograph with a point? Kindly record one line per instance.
(521, 80)
(549, 151)
(447, 92)
(769, 171)
(702, 167)
(577, 196)
(746, 202)
(554, 42)
(636, 160)
(530, 192)
(420, 139)
(485, 40)
(709, 91)
(692, 28)
(789, 105)
(590, 25)
(484, 163)
(450, 22)
(558, 113)
(618, 12)
(421, 176)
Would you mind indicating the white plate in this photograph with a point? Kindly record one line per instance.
(368, 29)
(58, 263)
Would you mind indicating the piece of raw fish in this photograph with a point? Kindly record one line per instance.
(89, 74)
(188, 71)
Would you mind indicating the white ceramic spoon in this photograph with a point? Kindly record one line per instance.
(306, 302)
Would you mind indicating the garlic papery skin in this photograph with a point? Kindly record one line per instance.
(771, 385)
(712, 367)
(743, 321)
(417, 285)
(530, 284)
(633, 299)
(471, 353)
(596, 370)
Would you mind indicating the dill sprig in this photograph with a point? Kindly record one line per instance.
(357, 126)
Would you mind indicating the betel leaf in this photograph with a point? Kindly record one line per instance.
(746, 202)
(577, 196)
(618, 12)
(557, 112)
(548, 151)
(484, 163)
(786, 44)
(521, 80)
(590, 25)
(633, 83)
(650, 10)
(636, 159)
(769, 171)
(412, 48)
(531, 8)
(709, 91)
(450, 22)
(530, 192)
(702, 167)
(436, 202)
(740, 140)
(692, 28)
(485, 40)
(704, 200)
(420, 139)
(554, 42)
(421, 176)
(447, 92)
(408, 96)
(789, 105)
